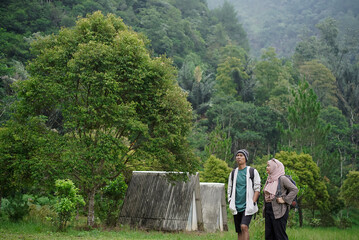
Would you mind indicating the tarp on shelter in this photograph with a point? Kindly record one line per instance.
(214, 207)
(152, 202)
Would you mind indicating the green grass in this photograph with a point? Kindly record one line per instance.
(32, 231)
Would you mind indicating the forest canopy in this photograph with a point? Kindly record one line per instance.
(92, 90)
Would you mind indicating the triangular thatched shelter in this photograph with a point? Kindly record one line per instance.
(152, 202)
(214, 207)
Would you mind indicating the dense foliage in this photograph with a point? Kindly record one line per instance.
(67, 201)
(159, 84)
(282, 24)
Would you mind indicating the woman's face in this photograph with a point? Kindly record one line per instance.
(268, 168)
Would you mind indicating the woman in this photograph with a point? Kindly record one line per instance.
(276, 208)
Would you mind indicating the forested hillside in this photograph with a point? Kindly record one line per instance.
(282, 23)
(92, 90)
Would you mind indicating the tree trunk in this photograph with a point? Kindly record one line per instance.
(91, 209)
(300, 214)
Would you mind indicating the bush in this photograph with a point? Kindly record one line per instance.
(327, 220)
(40, 214)
(215, 170)
(66, 202)
(40, 209)
(293, 219)
(108, 204)
(315, 222)
(15, 207)
(344, 222)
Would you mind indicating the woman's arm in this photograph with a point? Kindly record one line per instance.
(292, 190)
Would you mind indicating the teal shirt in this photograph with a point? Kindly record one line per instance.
(241, 190)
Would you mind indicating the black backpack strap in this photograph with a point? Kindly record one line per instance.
(232, 178)
(251, 175)
(279, 191)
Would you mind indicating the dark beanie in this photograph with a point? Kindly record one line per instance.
(245, 153)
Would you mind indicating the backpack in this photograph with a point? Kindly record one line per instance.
(251, 176)
(294, 203)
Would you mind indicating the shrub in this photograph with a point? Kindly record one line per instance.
(15, 207)
(344, 222)
(110, 201)
(327, 220)
(42, 214)
(315, 222)
(215, 170)
(66, 202)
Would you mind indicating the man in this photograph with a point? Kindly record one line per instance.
(243, 192)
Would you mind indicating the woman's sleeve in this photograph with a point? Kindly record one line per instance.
(291, 189)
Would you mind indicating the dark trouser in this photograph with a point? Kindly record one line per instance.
(241, 219)
(275, 228)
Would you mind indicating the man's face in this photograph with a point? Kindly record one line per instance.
(240, 158)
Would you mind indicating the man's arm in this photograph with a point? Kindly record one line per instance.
(256, 185)
(229, 188)
(255, 196)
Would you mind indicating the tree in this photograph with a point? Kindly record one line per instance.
(114, 103)
(306, 50)
(29, 157)
(201, 91)
(228, 17)
(194, 78)
(110, 201)
(304, 133)
(272, 78)
(219, 145)
(349, 190)
(338, 144)
(217, 38)
(234, 73)
(230, 77)
(316, 196)
(215, 170)
(322, 81)
(249, 126)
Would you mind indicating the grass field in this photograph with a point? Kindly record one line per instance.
(32, 231)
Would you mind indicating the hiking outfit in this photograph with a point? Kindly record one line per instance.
(276, 214)
(243, 188)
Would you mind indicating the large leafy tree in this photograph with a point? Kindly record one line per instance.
(219, 145)
(316, 196)
(249, 126)
(194, 78)
(322, 81)
(29, 155)
(114, 105)
(349, 190)
(230, 77)
(228, 16)
(338, 144)
(273, 80)
(304, 132)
